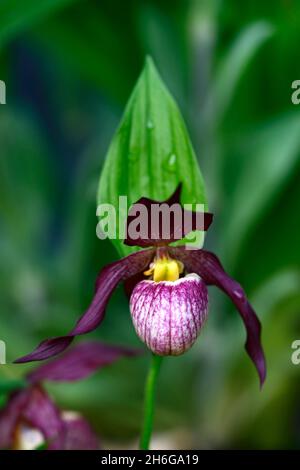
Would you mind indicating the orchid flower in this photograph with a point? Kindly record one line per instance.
(167, 286)
(31, 419)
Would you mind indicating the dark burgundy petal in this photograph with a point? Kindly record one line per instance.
(107, 281)
(48, 348)
(32, 406)
(80, 362)
(76, 434)
(41, 413)
(61, 431)
(208, 266)
(163, 229)
(130, 284)
(10, 415)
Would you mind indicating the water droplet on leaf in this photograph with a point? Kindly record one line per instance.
(170, 162)
(150, 124)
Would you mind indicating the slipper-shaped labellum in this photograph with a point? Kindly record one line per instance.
(168, 315)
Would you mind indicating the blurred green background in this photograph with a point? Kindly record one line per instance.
(69, 67)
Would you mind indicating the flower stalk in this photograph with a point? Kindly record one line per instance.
(150, 395)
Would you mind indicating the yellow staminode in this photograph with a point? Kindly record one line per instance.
(165, 269)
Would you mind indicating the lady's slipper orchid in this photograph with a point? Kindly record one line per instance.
(31, 420)
(168, 292)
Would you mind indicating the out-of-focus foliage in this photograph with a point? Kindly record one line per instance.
(69, 67)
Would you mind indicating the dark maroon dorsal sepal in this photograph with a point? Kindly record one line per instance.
(162, 222)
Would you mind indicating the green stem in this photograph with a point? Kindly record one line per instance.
(150, 391)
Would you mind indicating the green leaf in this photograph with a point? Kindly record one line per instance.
(269, 158)
(16, 16)
(25, 174)
(150, 153)
(235, 61)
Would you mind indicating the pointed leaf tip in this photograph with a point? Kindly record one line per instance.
(149, 62)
